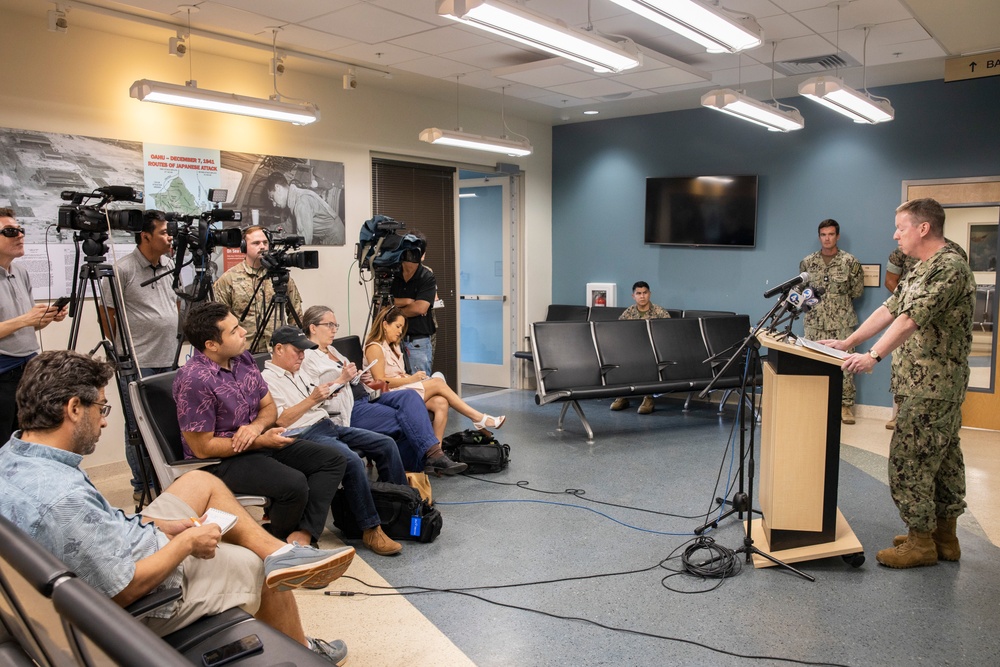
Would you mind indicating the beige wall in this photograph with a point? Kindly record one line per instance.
(78, 83)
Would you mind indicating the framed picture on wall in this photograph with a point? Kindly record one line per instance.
(983, 247)
(601, 294)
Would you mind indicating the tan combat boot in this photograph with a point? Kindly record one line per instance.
(917, 551)
(847, 414)
(945, 539)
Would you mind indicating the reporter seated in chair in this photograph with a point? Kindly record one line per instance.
(63, 408)
(382, 347)
(300, 404)
(401, 415)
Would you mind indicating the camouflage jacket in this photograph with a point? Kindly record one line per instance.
(235, 288)
(653, 313)
(939, 295)
(901, 264)
(843, 281)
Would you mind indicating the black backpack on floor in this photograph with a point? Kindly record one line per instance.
(481, 452)
(404, 514)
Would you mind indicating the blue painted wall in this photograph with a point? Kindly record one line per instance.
(831, 169)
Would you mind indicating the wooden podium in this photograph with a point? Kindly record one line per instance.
(800, 457)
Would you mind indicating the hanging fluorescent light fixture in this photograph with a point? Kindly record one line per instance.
(542, 32)
(433, 135)
(734, 103)
(834, 93)
(709, 27)
(193, 97)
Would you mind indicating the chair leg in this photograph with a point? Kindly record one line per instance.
(583, 419)
(725, 397)
(687, 402)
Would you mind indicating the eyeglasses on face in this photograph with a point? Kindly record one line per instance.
(332, 326)
(12, 232)
(105, 408)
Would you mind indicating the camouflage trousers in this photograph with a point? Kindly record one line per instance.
(926, 468)
(850, 393)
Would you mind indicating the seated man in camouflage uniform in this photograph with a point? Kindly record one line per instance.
(929, 320)
(839, 273)
(642, 309)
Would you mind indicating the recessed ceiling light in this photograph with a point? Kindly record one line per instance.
(591, 112)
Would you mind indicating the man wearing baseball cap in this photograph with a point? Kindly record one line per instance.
(301, 410)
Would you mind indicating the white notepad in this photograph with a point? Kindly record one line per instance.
(224, 520)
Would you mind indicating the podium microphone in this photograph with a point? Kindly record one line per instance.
(787, 285)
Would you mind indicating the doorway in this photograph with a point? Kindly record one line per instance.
(484, 281)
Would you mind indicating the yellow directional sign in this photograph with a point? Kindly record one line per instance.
(972, 67)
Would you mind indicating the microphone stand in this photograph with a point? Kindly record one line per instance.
(743, 499)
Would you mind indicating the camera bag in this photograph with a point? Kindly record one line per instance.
(480, 451)
(404, 514)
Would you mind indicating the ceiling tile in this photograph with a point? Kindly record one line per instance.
(442, 40)
(436, 66)
(384, 54)
(284, 12)
(296, 35)
(418, 9)
(658, 78)
(228, 20)
(544, 76)
(574, 12)
(366, 23)
(494, 55)
(592, 89)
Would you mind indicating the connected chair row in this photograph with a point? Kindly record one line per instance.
(607, 359)
(51, 618)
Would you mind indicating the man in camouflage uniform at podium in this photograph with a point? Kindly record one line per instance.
(929, 320)
(896, 269)
(839, 273)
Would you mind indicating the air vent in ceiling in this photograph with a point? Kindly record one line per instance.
(816, 64)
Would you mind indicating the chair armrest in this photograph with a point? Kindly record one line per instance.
(193, 464)
(153, 601)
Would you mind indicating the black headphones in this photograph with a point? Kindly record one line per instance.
(253, 228)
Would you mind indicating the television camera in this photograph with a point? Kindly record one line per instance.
(279, 257)
(380, 249)
(84, 215)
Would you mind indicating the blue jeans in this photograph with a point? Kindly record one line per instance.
(401, 415)
(421, 354)
(130, 455)
(350, 442)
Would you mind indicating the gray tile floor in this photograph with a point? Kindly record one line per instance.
(497, 534)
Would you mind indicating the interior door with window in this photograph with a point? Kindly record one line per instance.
(484, 281)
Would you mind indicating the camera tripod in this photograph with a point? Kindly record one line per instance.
(277, 306)
(120, 352)
(742, 501)
(382, 298)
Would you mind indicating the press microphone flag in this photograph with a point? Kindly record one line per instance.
(787, 285)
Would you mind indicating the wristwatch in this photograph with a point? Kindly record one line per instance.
(874, 355)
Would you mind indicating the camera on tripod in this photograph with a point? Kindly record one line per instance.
(380, 244)
(97, 217)
(279, 256)
(196, 232)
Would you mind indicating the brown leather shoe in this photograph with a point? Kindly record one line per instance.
(647, 405)
(917, 551)
(376, 540)
(619, 404)
(847, 414)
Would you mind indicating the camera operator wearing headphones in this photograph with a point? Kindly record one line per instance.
(151, 310)
(414, 290)
(19, 317)
(235, 288)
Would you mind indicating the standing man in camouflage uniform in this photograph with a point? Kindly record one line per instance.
(235, 288)
(839, 273)
(642, 309)
(895, 270)
(929, 320)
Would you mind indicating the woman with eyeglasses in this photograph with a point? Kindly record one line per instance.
(401, 415)
(383, 348)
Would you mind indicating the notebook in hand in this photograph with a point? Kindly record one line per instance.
(224, 520)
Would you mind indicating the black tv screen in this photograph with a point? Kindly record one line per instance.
(713, 211)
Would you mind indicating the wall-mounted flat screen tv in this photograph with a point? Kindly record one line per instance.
(711, 211)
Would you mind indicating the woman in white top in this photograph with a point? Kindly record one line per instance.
(402, 415)
(382, 347)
